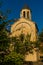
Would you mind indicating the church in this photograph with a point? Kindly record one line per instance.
(26, 26)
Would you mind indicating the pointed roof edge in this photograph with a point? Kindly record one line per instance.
(26, 7)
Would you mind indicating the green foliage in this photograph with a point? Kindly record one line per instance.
(6, 57)
(22, 44)
(37, 44)
(4, 39)
(41, 36)
(14, 59)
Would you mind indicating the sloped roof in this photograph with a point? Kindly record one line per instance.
(25, 7)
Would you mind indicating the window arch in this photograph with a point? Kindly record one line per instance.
(23, 13)
(28, 14)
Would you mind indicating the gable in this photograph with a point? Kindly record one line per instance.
(26, 26)
(22, 20)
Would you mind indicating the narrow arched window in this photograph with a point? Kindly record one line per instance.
(23, 13)
(28, 14)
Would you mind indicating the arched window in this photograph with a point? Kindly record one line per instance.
(23, 13)
(28, 14)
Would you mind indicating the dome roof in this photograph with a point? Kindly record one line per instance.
(26, 7)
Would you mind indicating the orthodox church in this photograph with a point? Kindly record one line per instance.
(26, 26)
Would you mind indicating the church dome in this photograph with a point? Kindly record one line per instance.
(26, 7)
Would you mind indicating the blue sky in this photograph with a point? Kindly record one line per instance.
(16, 5)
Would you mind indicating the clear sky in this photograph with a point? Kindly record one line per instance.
(16, 5)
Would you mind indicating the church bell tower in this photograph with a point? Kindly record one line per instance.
(25, 12)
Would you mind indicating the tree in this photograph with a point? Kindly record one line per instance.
(13, 59)
(41, 36)
(41, 40)
(4, 38)
(7, 56)
(22, 45)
